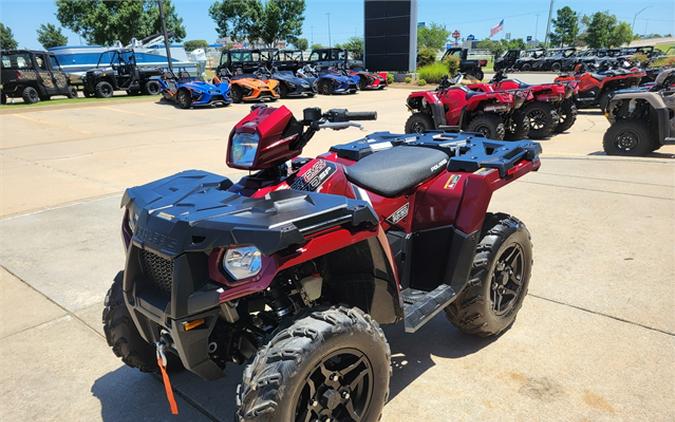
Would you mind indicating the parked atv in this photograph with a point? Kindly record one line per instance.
(33, 76)
(642, 119)
(246, 88)
(117, 71)
(551, 108)
(187, 92)
(289, 84)
(457, 106)
(330, 82)
(292, 270)
(595, 89)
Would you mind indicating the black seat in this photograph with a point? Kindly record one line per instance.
(394, 171)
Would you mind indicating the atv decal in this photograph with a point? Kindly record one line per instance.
(399, 214)
(452, 181)
(439, 165)
(315, 176)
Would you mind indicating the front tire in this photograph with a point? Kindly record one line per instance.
(103, 89)
(152, 87)
(489, 125)
(332, 364)
(567, 115)
(628, 137)
(499, 278)
(518, 127)
(72, 92)
(184, 99)
(30, 95)
(325, 87)
(236, 94)
(419, 123)
(121, 334)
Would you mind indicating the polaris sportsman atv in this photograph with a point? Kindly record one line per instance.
(495, 115)
(293, 268)
(595, 89)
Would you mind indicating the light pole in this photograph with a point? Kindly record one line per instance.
(632, 27)
(166, 38)
(330, 44)
(548, 24)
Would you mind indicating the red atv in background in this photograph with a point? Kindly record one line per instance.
(595, 89)
(293, 268)
(492, 114)
(551, 108)
(369, 81)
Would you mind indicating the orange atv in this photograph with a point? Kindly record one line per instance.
(244, 88)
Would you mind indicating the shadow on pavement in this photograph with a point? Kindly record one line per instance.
(654, 154)
(127, 394)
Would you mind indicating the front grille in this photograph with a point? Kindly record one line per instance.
(158, 270)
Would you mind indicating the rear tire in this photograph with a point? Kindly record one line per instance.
(363, 83)
(121, 334)
(628, 137)
(283, 90)
(30, 95)
(325, 87)
(291, 378)
(72, 92)
(103, 89)
(567, 115)
(526, 67)
(518, 127)
(543, 119)
(556, 67)
(502, 264)
(236, 94)
(489, 125)
(603, 102)
(152, 87)
(419, 123)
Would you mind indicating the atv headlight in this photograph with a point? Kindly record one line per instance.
(243, 262)
(244, 148)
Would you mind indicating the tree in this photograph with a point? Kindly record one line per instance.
(600, 26)
(51, 36)
(254, 20)
(317, 46)
(192, 45)
(354, 45)
(621, 34)
(7, 40)
(498, 47)
(433, 36)
(565, 27)
(301, 43)
(107, 21)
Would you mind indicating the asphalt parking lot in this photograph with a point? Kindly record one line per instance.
(595, 339)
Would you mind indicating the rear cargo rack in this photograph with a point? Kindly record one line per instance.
(468, 152)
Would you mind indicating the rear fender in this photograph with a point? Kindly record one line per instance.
(428, 101)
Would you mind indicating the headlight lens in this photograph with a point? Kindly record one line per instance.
(242, 262)
(244, 148)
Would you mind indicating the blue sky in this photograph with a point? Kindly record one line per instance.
(346, 17)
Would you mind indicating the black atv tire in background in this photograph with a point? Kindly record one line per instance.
(419, 123)
(184, 98)
(517, 127)
(72, 92)
(283, 90)
(325, 87)
(30, 95)
(603, 102)
(567, 115)
(103, 89)
(363, 83)
(526, 67)
(498, 281)
(543, 119)
(3, 98)
(334, 363)
(489, 125)
(152, 87)
(556, 67)
(236, 94)
(121, 334)
(628, 137)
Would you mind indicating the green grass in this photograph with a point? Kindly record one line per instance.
(79, 100)
(665, 46)
(432, 73)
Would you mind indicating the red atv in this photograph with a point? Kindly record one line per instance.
(293, 268)
(595, 89)
(369, 81)
(551, 108)
(492, 114)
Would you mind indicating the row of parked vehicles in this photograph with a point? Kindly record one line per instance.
(565, 59)
(254, 75)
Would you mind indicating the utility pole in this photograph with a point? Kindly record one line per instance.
(330, 43)
(632, 27)
(311, 34)
(536, 27)
(166, 38)
(548, 23)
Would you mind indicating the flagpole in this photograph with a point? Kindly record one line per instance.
(548, 23)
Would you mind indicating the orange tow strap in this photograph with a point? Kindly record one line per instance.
(167, 387)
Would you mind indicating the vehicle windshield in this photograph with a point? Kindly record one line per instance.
(55, 62)
(16, 61)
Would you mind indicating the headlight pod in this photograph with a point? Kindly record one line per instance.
(243, 262)
(244, 148)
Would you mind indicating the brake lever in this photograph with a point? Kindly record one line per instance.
(339, 125)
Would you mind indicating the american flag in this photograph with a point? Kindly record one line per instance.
(497, 28)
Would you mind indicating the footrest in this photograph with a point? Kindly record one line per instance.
(420, 306)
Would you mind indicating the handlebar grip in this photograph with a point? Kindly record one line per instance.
(361, 115)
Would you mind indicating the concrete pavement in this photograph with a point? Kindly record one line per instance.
(594, 340)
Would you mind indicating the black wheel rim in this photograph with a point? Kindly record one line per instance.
(106, 89)
(537, 119)
(33, 96)
(507, 279)
(627, 140)
(418, 127)
(339, 388)
(483, 130)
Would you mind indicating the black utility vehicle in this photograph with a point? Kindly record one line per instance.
(117, 71)
(325, 58)
(33, 76)
(468, 67)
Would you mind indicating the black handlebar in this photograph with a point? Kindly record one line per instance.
(342, 115)
(361, 115)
